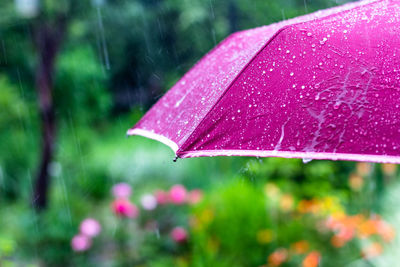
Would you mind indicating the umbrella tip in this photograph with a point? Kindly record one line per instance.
(175, 159)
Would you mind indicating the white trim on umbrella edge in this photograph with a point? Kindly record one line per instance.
(264, 153)
(154, 136)
(292, 154)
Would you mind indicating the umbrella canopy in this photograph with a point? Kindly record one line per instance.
(320, 86)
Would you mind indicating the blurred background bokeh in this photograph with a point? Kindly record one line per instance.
(74, 191)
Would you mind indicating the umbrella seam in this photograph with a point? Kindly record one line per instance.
(180, 150)
(230, 85)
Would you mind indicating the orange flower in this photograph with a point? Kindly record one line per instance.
(363, 168)
(368, 228)
(308, 206)
(337, 242)
(278, 257)
(389, 169)
(373, 250)
(356, 182)
(355, 220)
(300, 247)
(286, 202)
(312, 259)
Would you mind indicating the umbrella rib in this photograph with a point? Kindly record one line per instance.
(233, 81)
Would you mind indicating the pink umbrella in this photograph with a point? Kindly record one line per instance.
(320, 86)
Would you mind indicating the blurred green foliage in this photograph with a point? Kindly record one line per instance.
(118, 58)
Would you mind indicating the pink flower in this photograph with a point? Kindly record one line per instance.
(161, 196)
(122, 190)
(179, 234)
(177, 194)
(90, 227)
(149, 202)
(81, 242)
(124, 208)
(195, 196)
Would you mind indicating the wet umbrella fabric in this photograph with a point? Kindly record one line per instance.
(320, 86)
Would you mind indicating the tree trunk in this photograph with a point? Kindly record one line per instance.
(47, 39)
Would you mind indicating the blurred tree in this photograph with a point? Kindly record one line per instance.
(48, 36)
(47, 22)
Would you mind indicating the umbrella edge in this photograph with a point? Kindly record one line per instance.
(292, 154)
(154, 136)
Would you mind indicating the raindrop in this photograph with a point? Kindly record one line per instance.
(291, 74)
(306, 160)
(309, 34)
